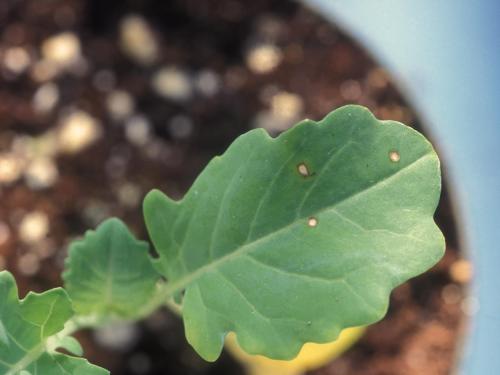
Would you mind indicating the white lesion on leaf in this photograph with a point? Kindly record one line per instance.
(312, 222)
(303, 170)
(394, 156)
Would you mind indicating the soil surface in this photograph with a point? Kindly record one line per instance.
(154, 112)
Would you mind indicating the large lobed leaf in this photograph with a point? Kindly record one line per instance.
(109, 273)
(290, 240)
(25, 327)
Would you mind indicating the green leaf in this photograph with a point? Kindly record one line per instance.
(4, 339)
(109, 272)
(289, 240)
(28, 324)
(60, 364)
(71, 345)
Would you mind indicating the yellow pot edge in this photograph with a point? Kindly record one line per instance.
(311, 356)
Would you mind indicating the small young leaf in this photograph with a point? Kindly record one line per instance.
(71, 345)
(60, 364)
(109, 272)
(290, 240)
(28, 324)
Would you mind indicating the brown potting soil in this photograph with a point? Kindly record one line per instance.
(312, 68)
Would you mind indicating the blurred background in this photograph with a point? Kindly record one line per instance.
(101, 101)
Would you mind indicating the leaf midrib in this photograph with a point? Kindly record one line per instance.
(35, 352)
(29, 358)
(183, 282)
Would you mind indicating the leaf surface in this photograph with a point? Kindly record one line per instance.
(289, 240)
(109, 272)
(27, 324)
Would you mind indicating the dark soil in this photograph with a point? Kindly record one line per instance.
(319, 63)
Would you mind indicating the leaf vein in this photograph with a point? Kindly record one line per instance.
(325, 167)
(222, 204)
(262, 199)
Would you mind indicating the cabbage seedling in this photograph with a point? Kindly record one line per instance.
(282, 241)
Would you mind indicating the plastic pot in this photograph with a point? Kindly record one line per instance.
(444, 54)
